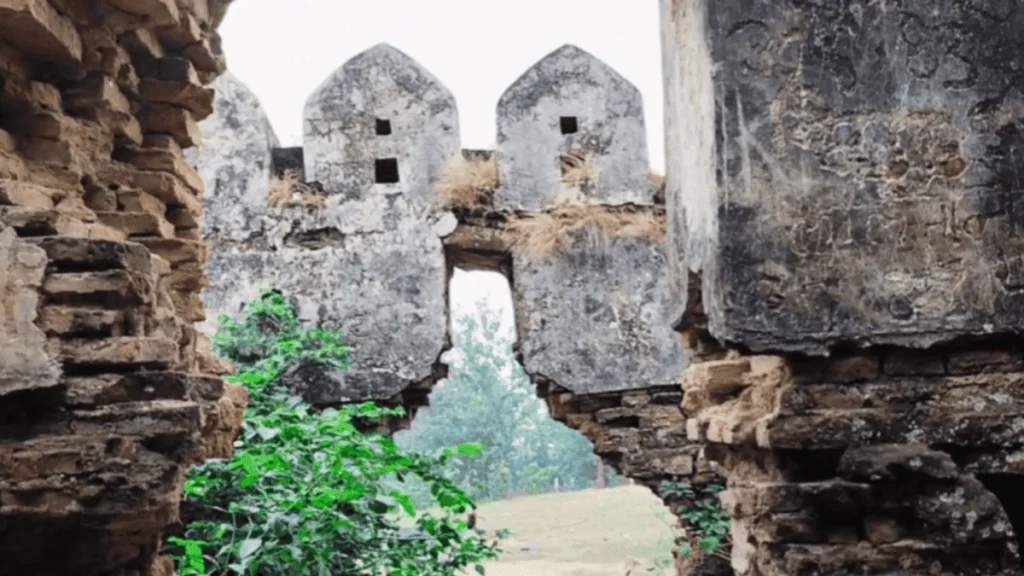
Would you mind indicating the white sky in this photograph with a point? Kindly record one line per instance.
(283, 49)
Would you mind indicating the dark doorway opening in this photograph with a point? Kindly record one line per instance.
(569, 125)
(386, 171)
(1007, 488)
(383, 127)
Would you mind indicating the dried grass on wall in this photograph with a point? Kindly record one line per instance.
(288, 190)
(543, 234)
(579, 170)
(468, 182)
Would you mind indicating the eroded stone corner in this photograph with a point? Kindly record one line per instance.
(107, 391)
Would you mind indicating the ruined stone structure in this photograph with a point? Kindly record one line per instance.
(107, 391)
(373, 256)
(841, 254)
(571, 103)
(845, 254)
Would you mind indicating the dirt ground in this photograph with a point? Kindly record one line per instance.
(589, 533)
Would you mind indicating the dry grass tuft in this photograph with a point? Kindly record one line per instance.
(466, 183)
(543, 234)
(288, 190)
(579, 170)
(657, 182)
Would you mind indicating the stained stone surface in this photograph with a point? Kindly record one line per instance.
(867, 162)
(370, 264)
(570, 90)
(107, 393)
(24, 362)
(235, 162)
(593, 317)
(380, 106)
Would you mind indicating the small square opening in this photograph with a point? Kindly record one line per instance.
(383, 127)
(386, 170)
(569, 125)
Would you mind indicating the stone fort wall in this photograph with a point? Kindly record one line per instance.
(366, 240)
(842, 189)
(840, 257)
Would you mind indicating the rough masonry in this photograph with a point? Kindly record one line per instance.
(373, 257)
(844, 246)
(108, 393)
(363, 240)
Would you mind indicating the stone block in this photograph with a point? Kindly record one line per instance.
(109, 389)
(138, 201)
(58, 320)
(24, 362)
(112, 288)
(38, 30)
(78, 254)
(26, 194)
(168, 161)
(137, 223)
(571, 103)
(157, 12)
(37, 221)
(115, 352)
(380, 122)
(174, 250)
(174, 121)
(595, 295)
(189, 94)
(845, 173)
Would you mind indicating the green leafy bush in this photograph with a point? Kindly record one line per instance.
(705, 516)
(309, 494)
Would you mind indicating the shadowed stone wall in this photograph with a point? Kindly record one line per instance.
(107, 391)
(866, 158)
(841, 192)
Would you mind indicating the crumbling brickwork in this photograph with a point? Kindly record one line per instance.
(107, 392)
(884, 460)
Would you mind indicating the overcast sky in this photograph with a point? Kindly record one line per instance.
(283, 49)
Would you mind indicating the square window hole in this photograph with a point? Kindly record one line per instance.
(383, 127)
(386, 170)
(569, 125)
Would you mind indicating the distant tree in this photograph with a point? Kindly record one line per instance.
(489, 400)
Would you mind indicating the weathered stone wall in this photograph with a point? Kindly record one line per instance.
(571, 103)
(357, 255)
(888, 460)
(849, 171)
(107, 392)
(840, 196)
(585, 260)
(373, 257)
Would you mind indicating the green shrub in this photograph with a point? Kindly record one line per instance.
(307, 493)
(705, 516)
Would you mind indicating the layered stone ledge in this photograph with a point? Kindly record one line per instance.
(108, 394)
(883, 460)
